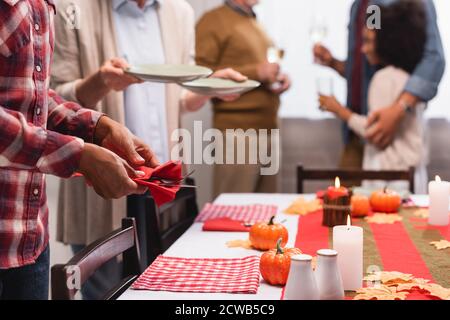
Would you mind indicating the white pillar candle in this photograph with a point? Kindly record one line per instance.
(348, 242)
(439, 192)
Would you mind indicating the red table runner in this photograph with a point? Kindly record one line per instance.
(403, 246)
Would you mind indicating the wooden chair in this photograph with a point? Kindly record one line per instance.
(352, 174)
(87, 261)
(155, 241)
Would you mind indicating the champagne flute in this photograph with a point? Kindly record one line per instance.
(275, 55)
(324, 87)
(318, 31)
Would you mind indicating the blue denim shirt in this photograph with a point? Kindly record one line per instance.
(424, 81)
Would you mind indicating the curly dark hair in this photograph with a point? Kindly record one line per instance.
(401, 40)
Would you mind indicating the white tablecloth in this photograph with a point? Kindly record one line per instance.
(198, 244)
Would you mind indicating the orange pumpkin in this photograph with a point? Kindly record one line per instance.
(360, 206)
(386, 201)
(264, 236)
(274, 264)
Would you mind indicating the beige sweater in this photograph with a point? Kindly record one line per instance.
(83, 216)
(227, 39)
(409, 148)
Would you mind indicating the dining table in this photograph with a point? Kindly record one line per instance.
(403, 246)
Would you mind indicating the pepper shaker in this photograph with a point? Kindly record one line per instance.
(328, 276)
(301, 283)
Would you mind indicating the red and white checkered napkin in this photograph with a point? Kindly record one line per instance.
(239, 275)
(246, 213)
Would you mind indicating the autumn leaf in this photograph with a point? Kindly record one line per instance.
(441, 244)
(438, 291)
(422, 213)
(383, 218)
(246, 244)
(417, 283)
(302, 207)
(381, 292)
(389, 277)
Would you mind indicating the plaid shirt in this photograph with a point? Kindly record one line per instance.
(35, 125)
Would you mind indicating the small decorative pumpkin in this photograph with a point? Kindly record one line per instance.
(274, 264)
(386, 201)
(264, 236)
(360, 206)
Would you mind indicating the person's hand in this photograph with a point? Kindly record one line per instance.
(284, 83)
(268, 72)
(117, 138)
(322, 55)
(110, 176)
(382, 125)
(113, 75)
(329, 103)
(229, 74)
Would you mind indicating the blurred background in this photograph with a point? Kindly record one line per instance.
(290, 23)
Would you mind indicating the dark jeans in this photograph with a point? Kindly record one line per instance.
(103, 280)
(28, 282)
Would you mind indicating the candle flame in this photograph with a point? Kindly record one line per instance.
(349, 223)
(438, 179)
(337, 182)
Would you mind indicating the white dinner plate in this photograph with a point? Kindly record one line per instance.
(168, 73)
(217, 86)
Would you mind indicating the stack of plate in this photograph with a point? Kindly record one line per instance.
(168, 73)
(191, 77)
(220, 87)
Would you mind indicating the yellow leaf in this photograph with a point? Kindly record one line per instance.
(383, 218)
(422, 213)
(246, 244)
(381, 292)
(441, 244)
(438, 291)
(417, 283)
(302, 207)
(389, 278)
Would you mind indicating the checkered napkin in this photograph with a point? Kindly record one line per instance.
(246, 213)
(240, 275)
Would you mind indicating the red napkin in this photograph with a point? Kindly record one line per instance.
(161, 194)
(238, 275)
(225, 224)
(168, 170)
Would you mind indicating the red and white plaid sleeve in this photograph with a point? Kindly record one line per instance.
(25, 146)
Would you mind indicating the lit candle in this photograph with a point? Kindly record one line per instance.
(439, 192)
(348, 242)
(337, 191)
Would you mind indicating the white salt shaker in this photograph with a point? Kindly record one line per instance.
(301, 283)
(328, 276)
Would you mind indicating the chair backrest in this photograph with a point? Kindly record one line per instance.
(155, 241)
(352, 174)
(68, 278)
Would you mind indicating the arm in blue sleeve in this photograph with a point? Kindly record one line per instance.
(425, 79)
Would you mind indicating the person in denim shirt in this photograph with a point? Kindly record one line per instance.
(421, 87)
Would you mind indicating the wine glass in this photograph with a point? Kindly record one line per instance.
(318, 30)
(324, 87)
(275, 55)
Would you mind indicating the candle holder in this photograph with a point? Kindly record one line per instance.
(336, 210)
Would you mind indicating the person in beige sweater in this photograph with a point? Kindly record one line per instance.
(230, 36)
(89, 64)
(396, 48)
